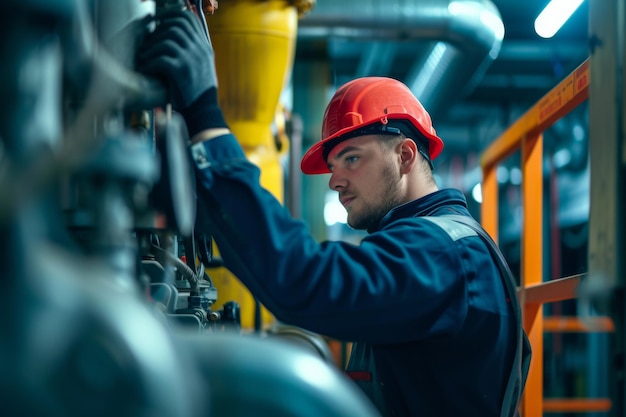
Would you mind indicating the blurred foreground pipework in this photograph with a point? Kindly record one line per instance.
(106, 306)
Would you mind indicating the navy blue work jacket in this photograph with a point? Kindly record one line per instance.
(426, 309)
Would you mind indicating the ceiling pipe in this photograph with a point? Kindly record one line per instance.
(461, 38)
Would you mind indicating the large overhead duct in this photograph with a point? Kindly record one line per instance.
(454, 40)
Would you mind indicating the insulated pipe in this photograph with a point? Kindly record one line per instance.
(249, 375)
(463, 38)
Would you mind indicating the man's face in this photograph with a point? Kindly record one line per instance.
(367, 178)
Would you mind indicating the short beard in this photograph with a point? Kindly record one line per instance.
(371, 217)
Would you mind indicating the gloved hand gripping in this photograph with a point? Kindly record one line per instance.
(180, 52)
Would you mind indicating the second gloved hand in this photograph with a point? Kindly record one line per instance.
(179, 52)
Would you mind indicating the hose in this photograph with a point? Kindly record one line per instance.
(164, 256)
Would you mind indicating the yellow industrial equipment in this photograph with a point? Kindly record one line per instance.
(254, 44)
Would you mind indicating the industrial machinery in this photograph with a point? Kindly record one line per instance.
(107, 306)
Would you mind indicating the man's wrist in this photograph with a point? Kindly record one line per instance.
(204, 113)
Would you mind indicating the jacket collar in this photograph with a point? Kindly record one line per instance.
(448, 200)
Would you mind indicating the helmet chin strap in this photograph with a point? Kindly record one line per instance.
(424, 154)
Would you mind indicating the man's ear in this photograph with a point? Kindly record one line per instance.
(408, 155)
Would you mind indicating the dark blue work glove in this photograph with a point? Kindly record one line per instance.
(180, 53)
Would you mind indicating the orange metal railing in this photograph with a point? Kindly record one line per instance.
(526, 135)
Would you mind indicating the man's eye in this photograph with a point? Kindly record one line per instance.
(351, 159)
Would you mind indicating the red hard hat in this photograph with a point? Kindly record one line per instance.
(366, 101)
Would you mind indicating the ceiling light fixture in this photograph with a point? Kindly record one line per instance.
(554, 15)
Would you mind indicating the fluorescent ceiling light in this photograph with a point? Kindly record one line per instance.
(554, 16)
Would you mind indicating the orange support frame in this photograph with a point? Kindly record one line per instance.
(526, 134)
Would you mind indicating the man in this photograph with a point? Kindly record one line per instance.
(435, 332)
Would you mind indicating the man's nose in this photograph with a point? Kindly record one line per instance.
(336, 181)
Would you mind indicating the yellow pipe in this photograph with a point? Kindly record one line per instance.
(254, 43)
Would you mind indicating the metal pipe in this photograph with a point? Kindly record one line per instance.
(471, 30)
